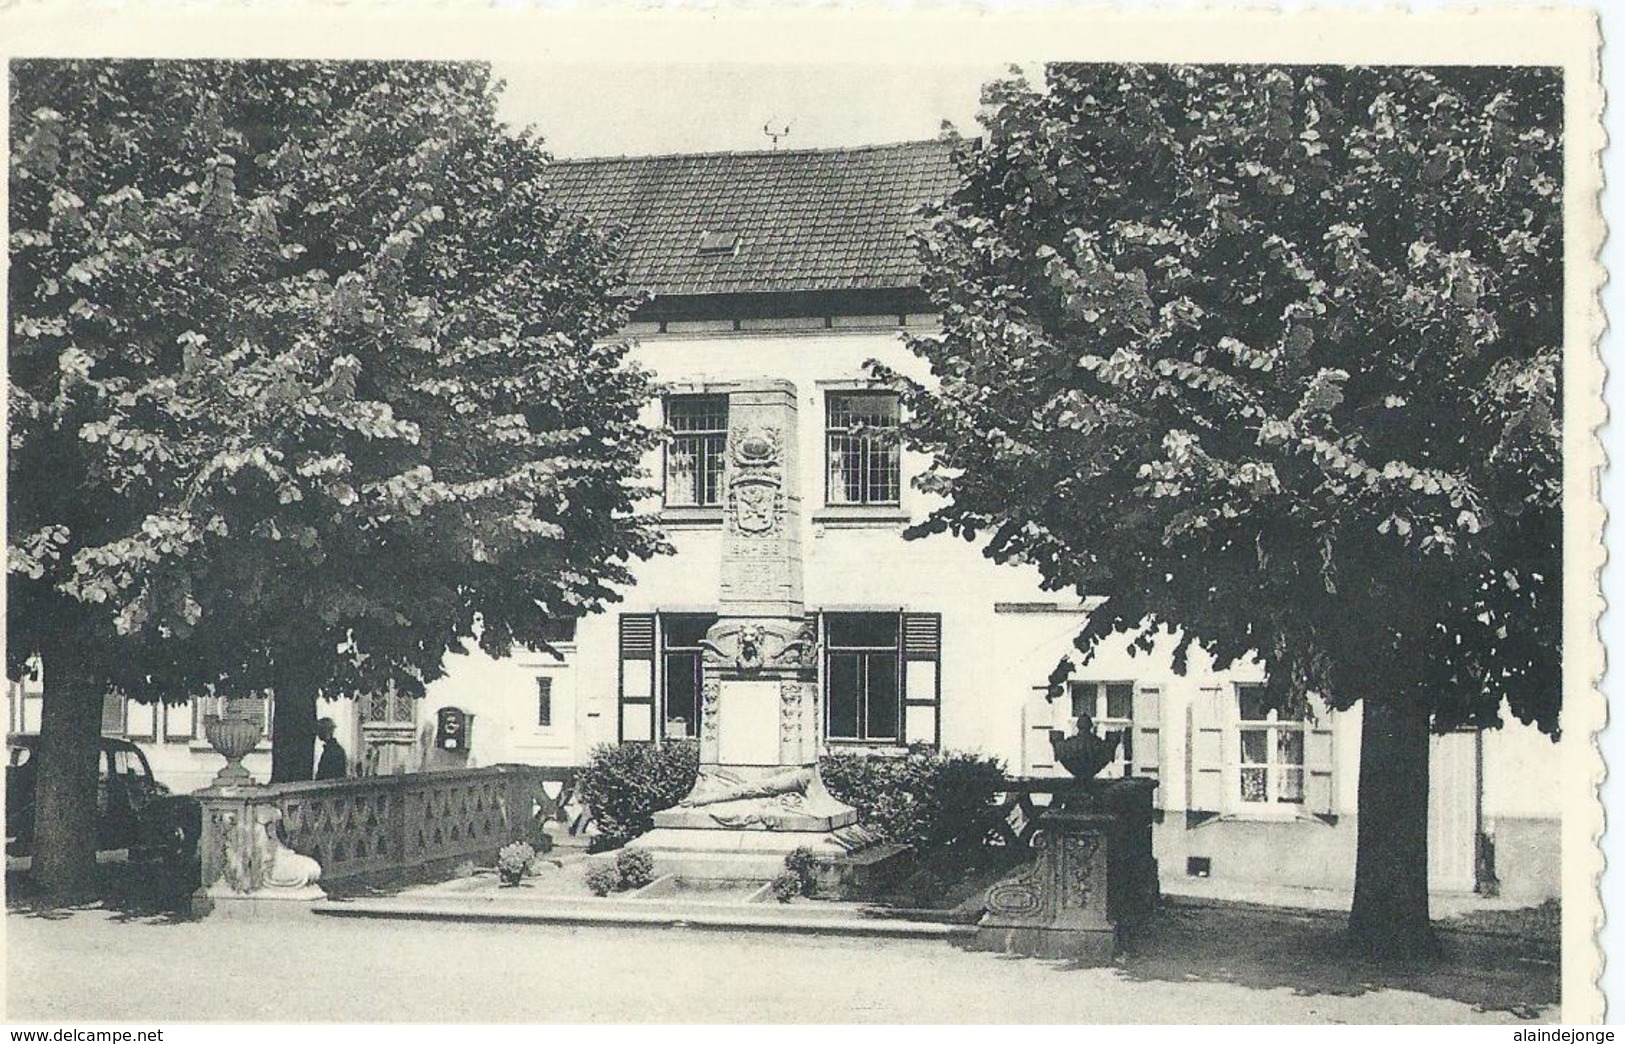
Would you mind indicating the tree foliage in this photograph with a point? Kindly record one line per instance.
(309, 378)
(1270, 356)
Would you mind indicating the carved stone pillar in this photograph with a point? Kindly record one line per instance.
(758, 792)
(1056, 906)
(1094, 877)
(245, 865)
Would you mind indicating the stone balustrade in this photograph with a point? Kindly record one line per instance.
(373, 826)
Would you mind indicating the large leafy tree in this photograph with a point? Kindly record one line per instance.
(1271, 356)
(309, 380)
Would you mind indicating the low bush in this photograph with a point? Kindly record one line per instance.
(804, 865)
(602, 878)
(786, 886)
(635, 867)
(626, 784)
(925, 798)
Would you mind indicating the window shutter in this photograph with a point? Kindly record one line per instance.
(637, 678)
(1038, 716)
(1319, 764)
(1209, 725)
(112, 714)
(922, 678)
(1148, 734)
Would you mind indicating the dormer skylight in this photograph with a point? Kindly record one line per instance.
(714, 243)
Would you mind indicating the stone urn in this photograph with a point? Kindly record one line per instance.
(1085, 753)
(233, 737)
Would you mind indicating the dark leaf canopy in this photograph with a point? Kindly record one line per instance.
(309, 376)
(1270, 356)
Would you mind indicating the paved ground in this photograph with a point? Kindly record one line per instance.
(1201, 964)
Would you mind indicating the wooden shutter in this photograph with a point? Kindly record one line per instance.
(112, 715)
(1037, 719)
(1209, 727)
(1148, 734)
(637, 678)
(1320, 763)
(922, 678)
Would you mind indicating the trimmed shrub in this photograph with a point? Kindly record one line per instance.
(635, 867)
(925, 798)
(786, 886)
(804, 865)
(602, 878)
(626, 784)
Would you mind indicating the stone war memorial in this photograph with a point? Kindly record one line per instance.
(758, 796)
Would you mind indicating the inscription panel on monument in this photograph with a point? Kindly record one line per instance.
(748, 722)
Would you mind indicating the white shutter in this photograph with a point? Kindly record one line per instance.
(1148, 734)
(1320, 764)
(1209, 724)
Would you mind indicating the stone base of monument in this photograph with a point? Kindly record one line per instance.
(739, 824)
(863, 874)
(1093, 877)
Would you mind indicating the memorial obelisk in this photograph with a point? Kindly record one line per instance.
(758, 796)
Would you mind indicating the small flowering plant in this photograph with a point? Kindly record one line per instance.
(514, 861)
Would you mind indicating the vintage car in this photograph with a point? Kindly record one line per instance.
(134, 812)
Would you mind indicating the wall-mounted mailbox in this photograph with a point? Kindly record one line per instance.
(452, 728)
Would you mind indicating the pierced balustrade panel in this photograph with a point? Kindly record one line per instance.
(356, 827)
(455, 817)
(349, 831)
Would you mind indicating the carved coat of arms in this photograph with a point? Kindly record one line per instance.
(756, 485)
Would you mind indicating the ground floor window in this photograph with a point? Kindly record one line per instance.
(1272, 748)
(682, 671)
(1111, 707)
(863, 696)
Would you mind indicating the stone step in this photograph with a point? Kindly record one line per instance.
(796, 917)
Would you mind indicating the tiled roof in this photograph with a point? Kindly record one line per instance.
(805, 220)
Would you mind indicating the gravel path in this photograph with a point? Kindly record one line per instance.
(97, 965)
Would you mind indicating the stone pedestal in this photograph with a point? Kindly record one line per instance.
(1093, 877)
(245, 865)
(758, 796)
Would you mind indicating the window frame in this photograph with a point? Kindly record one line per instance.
(832, 431)
(544, 701)
(150, 735)
(664, 649)
(173, 736)
(1122, 764)
(1274, 767)
(710, 458)
(863, 738)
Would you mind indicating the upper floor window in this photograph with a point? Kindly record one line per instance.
(861, 436)
(544, 702)
(694, 457)
(1271, 750)
(1111, 706)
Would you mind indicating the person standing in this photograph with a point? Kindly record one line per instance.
(333, 763)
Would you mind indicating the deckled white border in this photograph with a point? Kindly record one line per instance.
(929, 35)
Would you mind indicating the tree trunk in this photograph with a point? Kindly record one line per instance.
(293, 734)
(1389, 919)
(65, 817)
